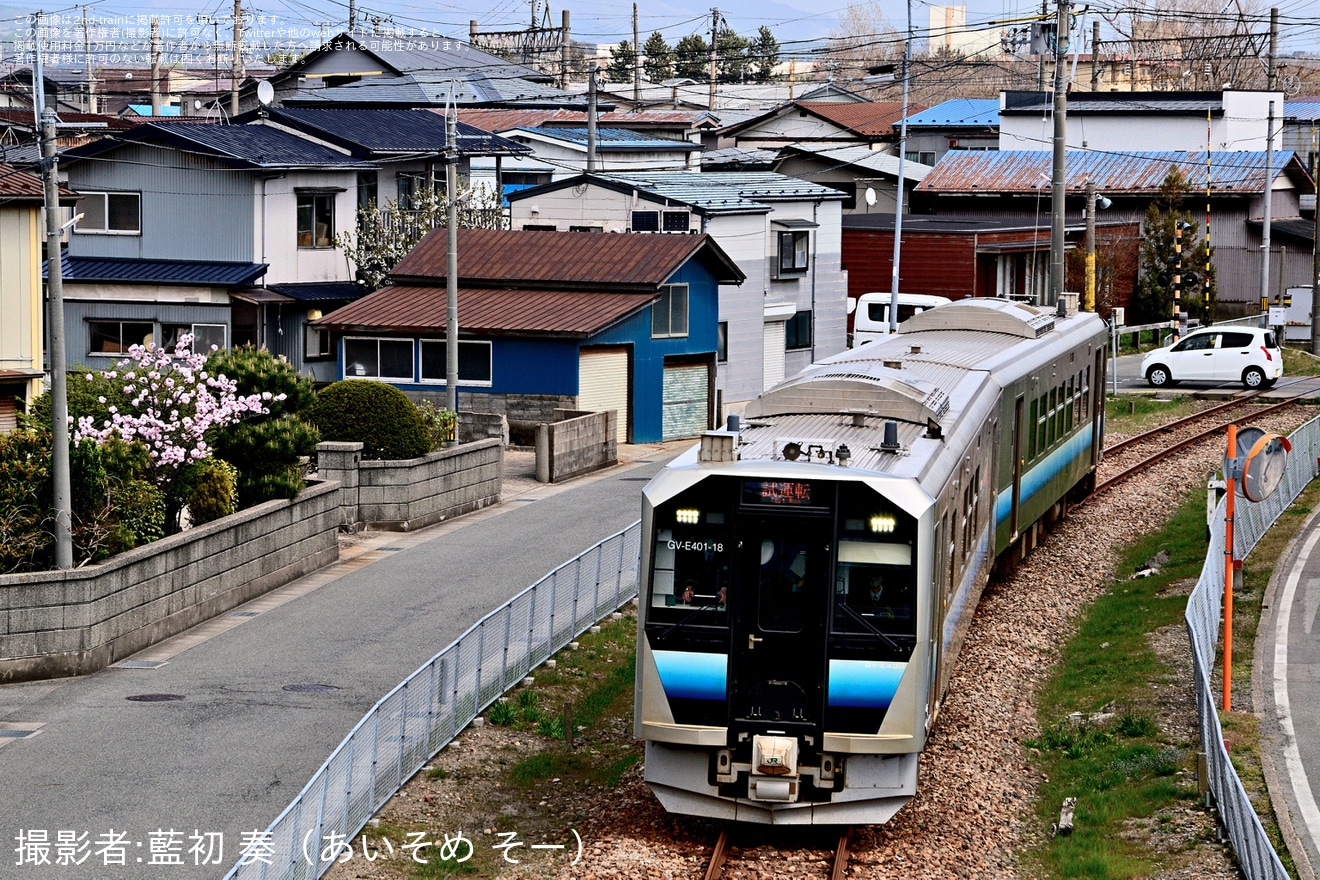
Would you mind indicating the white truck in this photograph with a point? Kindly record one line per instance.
(870, 313)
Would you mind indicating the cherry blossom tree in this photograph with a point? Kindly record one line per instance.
(170, 403)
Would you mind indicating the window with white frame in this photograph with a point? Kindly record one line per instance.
(669, 314)
(316, 220)
(113, 338)
(390, 360)
(110, 213)
(474, 362)
(316, 343)
(793, 252)
(204, 336)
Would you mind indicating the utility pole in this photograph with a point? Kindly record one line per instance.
(451, 257)
(352, 17)
(1271, 61)
(898, 202)
(87, 64)
(59, 394)
(236, 58)
(1088, 297)
(563, 54)
(591, 117)
(1095, 56)
(637, 60)
(714, 42)
(155, 66)
(1178, 314)
(1060, 149)
(1265, 225)
(1315, 251)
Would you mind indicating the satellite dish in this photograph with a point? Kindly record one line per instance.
(197, 105)
(870, 195)
(265, 93)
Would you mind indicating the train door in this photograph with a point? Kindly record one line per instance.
(1017, 465)
(778, 664)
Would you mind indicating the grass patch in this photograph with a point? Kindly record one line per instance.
(1298, 362)
(1134, 413)
(1100, 741)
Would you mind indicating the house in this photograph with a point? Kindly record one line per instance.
(551, 320)
(867, 178)
(958, 257)
(359, 69)
(674, 125)
(1016, 184)
(407, 146)
(22, 307)
(957, 124)
(559, 153)
(871, 124)
(1301, 135)
(782, 232)
(1141, 122)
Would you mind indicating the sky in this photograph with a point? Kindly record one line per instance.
(801, 26)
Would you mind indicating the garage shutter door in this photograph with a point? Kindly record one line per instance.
(773, 363)
(687, 393)
(8, 412)
(603, 384)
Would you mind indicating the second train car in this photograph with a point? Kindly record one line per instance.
(808, 574)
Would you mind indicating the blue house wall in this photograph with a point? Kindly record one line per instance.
(539, 366)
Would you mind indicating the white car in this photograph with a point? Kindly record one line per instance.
(1249, 355)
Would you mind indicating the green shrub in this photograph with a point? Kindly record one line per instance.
(502, 713)
(213, 490)
(441, 424)
(267, 449)
(90, 393)
(137, 515)
(379, 416)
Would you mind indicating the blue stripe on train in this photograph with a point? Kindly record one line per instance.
(868, 684)
(1035, 479)
(687, 675)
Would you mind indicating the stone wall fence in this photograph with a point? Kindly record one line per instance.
(413, 493)
(575, 443)
(58, 623)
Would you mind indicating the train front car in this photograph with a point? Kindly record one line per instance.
(808, 575)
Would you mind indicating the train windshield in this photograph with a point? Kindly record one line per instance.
(875, 579)
(692, 559)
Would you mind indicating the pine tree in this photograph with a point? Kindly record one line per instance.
(623, 61)
(1153, 299)
(692, 58)
(763, 55)
(659, 63)
(731, 55)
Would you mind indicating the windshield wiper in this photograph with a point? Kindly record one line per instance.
(893, 645)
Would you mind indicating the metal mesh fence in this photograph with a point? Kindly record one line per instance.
(1254, 852)
(422, 715)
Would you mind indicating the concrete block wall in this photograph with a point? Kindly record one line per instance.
(575, 443)
(414, 493)
(74, 622)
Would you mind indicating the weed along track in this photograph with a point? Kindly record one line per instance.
(1048, 701)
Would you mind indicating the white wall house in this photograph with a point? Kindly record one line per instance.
(784, 234)
(1141, 122)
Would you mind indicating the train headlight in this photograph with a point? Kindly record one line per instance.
(883, 523)
(688, 516)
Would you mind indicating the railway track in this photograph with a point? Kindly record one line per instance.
(1176, 439)
(838, 865)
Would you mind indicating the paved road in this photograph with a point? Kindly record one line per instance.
(230, 755)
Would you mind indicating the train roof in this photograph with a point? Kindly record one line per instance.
(935, 372)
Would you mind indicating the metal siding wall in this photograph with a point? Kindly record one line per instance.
(686, 401)
(78, 313)
(191, 208)
(603, 385)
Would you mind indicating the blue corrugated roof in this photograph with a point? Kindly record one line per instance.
(960, 112)
(432, 88)
(1301, 111)
(726, 192)
(622, 138)
(320, 292)
(158, 271)
(145, 110)
(1029, 171)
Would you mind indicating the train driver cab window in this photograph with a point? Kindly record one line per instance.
(875, 574)
(691, 562)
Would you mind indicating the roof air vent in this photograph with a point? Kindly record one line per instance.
(894, 365)
(916, 349)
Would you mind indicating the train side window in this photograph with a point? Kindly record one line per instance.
(1034, 422)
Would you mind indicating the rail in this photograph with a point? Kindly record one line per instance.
(423, 714)
(1255, 854)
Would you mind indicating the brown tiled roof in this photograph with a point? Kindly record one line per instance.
(22, 187)
(489, 311)
(868, 118)
(614, 262)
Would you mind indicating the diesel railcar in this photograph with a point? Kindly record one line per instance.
(808, 574)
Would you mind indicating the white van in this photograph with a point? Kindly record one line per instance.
(870, 313)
